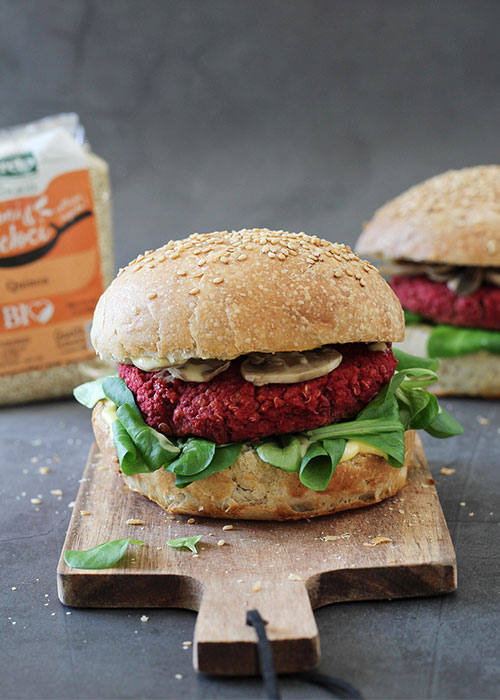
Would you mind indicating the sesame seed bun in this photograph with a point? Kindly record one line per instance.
(452, 218)
(252, 489)
(225, 294)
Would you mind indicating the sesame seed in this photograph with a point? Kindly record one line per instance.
(221, 543)
(191, 521)
(362, 283)
(242, 257)
(201, 263)
(271, 254)
(44, 471)
(152, 295)
(134, 521)
(227, 527)
(85, 512)
(257, 586)
(181, 273)
(194, 290)
(217, 280)
(281, 256)
(35, 501)
(224, 260)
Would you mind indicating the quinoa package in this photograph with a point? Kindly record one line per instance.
(55, 258)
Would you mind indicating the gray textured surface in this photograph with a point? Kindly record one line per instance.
(444, 647)
(298, 114)
(291, 114)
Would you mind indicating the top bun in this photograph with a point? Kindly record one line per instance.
(225, 294)
(452, 218)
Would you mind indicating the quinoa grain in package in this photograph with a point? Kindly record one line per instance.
(55, 258)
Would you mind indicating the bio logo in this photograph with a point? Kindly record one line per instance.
(17, 165)
(23, 314)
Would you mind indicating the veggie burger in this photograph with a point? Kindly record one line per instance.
(440, 244)
(256, 378)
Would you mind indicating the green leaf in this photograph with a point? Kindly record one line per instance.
(90, 393)
(319, 463)
(130, 459)
(185, 543)
(224, 456)
(103, 556)
(418, 409)
(412, 317)
(116, 390)
(451, 341)
(285, 452)
(407, 361)
(155, 449)
(196, 455)
(444, 425)
(378, 425)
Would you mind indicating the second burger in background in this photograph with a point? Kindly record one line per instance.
(439, 242)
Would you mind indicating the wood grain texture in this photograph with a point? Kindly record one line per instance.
(285, 570)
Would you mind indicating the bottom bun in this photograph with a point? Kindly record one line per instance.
(474, 374)
(250, 489)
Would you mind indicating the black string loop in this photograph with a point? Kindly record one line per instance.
(266, 659)
(338, 688)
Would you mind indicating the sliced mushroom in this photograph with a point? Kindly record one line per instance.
(196, 370)
(401, 269)
(493, 277)
(289, 367)
(441, 273)
(467, 282)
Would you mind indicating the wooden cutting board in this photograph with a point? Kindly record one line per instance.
(285, 570)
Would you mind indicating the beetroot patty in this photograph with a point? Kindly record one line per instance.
(228, 408)
(435, 301)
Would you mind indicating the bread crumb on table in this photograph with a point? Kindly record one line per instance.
(446, 471)
(374, 541)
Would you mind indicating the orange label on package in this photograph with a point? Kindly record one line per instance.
(50, 275)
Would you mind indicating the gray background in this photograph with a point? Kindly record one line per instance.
(296, 114)
(214, 114)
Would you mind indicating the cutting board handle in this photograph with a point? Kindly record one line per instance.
(225, 644)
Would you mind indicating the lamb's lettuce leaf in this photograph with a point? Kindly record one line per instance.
(319, 462)
(451, 341)
(89, 393)
(283, 451)
(224, 456)
(412, 317)
(185, 543)
(100, 557)
(196, 455)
